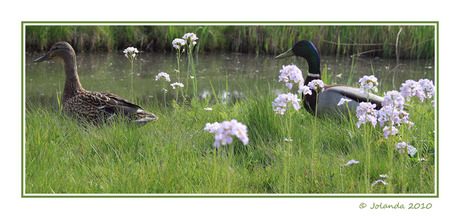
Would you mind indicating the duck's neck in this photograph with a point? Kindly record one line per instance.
(72, 82)
(309, 101)
(314, 73)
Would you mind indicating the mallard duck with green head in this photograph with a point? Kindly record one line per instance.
(327, 103)
(94, 107)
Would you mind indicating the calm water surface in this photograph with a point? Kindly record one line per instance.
(231, 75)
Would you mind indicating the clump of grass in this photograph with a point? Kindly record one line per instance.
(175, 155)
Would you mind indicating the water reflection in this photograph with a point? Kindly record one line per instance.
(230, 75)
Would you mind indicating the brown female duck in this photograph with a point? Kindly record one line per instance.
(95, 107)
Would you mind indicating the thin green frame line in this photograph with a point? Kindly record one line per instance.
(435, 195)
(226, 22)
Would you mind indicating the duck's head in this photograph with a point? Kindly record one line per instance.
(60, 50)
(307, 50)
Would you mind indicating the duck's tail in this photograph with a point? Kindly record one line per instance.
(143, 116)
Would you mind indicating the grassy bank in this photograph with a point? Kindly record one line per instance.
(175, 155)
(413, 41)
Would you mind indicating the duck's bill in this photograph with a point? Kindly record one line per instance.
(43, 58)
(286, 54)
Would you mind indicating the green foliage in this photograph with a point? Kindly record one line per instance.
(174, 154)
(414, 41)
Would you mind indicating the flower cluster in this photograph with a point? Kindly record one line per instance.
(177, 85)
(225, 130)
(390, 130)
(191, 37)
(178, 43)
(130, 52)
(368, 83)
(422, 89)
(392, 113)
(282, 102)
(403, 146)
(366, 113)
(291, 75)
(316, 85)
(427, 86)
(162, 75)
(212, 127)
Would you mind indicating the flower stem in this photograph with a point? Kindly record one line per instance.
(132, 78)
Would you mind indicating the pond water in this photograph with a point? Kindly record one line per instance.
(231, 75)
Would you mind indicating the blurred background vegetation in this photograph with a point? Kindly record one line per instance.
(412, 42)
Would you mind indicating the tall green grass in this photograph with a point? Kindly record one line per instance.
(174, 154)
(414, 41)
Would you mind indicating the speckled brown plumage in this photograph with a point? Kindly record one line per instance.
(94, 107)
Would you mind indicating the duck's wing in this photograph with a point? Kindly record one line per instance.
(355, 94)
(328, 100)
(113, 104)
(116, 102)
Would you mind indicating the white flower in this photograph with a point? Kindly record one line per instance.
(304, 89)
(387, 131)
(368, 83)
(366, 113)
(351, 162)
(283, 101)
(316, 85)
(393, 99)
(409, 88)
(383, 176)
(208, 108)
(176, 85)
(379, 181)
(402, 146)
(288, 139)
(426, 85)
(225, 130)
(130, 52)
(392, 113)
(291, 75)
(212, 128)
(162, 75)
(190, 37)
(178, 42)
(343, 100)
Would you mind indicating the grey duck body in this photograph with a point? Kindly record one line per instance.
(330, 97)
